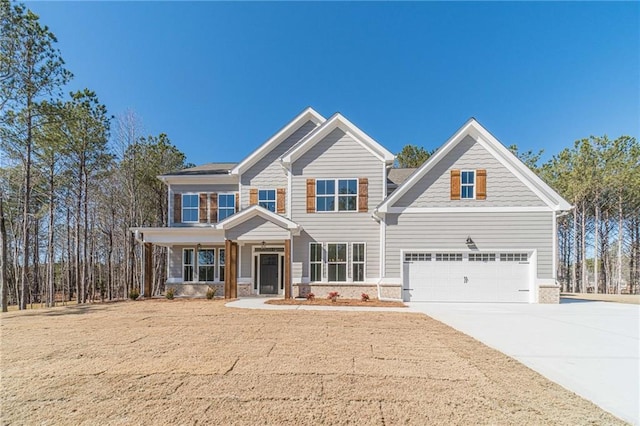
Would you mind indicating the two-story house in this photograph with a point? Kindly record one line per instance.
(319, 207)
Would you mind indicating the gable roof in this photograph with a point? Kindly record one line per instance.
(336, 121)
(474, 129)
(253, 211)
(308, 114)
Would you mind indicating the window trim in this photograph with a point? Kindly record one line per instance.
(192, 264)
(233, 197)
(315, 262)
(220, 265)
(212, 265)
(473, 185)
(275, 199)
(362, 262)
(345, 263)
(182, 207)
(336, 195)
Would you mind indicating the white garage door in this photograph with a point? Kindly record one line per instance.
(467, 277)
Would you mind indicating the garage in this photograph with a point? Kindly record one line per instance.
(495, 276)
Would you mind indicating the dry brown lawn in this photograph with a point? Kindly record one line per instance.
(371, 303)
(196, 361)
(633, 299)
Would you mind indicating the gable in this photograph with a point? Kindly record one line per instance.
(257, 228)
(504, 189)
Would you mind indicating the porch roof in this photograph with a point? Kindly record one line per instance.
(257, 211)
(179, 235)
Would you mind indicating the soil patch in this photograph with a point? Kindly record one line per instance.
(372, 303)
(198, 362)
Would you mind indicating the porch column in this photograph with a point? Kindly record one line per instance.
(287, 269)
(231, 273)
(148, 269)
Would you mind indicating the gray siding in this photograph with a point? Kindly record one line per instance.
(197, 188)
(503, 188)
(257, 229)
(337, 156)
(489, 231)
(245, 260)
(267, 173)
(175, 259)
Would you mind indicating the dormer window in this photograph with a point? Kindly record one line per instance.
(467, 184)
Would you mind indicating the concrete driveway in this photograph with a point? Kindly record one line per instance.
(590, 348)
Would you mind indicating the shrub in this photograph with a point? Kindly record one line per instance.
(211, 292)
(333, 296)
(134, 294)
(364, 297)
(170, 294)
(311, 296)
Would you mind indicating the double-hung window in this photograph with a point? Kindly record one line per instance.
(206, 264)
(336, 195)
(315, 262)
(190, 206)
(221, 257)
(337, 262)
(187, 264)
(267, 199)
(226, 205)
(467, 184)
(357, 261)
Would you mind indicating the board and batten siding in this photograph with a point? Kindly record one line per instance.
(489, 231)
(503, 188)
(267, 173)
(337, 156)
(197, 189)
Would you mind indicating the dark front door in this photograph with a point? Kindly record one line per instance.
(268, 274)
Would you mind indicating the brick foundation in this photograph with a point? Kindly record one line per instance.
(348, 291)
(549, 294)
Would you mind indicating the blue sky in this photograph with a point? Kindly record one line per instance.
(221, 78)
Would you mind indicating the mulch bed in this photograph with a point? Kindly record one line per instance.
(372, 303)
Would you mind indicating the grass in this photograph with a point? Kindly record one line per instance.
(196, 361)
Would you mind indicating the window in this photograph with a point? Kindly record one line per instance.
(267, 199)
(221, 255)
(226, 205)
(467, 184)
(417, 257)
(514, 257)
(325, 195)
(315, 262)
(337, 262)
(357, 261)
(187, 265)
(482, 257)
(448, 257)
(344, 199)
(206, 261)
(190, 207)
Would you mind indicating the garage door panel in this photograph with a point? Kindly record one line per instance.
(479, 277)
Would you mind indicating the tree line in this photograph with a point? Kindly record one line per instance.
(73, 179)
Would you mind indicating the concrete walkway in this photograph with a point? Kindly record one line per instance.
(590, 348)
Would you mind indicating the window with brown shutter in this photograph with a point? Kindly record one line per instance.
(280, 200)
(481, 184)
(203, 208)
(253, 196)
(213, 207)
(455, 184)
(177, 208)
(311, 195)
(363, 195)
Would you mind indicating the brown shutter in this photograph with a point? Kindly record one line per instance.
(481, 182)
(253, 196)
(237, 202)
(363, 195)
(280, 200)
(177, 208)
(455, 184)
(213, 207)
(311, 195)
(203, 207)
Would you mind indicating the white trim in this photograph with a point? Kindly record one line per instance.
(275, 198)
(337, 195)
(315, 262)
(345, 263)
(197, 263)
(466, 184)
(182, 195)
(256, 210)
(554, 254)
(383, 247)
(288, 194)
(503, 155)
(255, 277)
(336, 121)
(363, 263)
(198, 179)
(309, 114)
(513, 209)
(218, 265)
(194, 273)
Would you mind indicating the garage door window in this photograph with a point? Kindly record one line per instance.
(482, 257)
(417, 257)
(448, 257)
(514, 257)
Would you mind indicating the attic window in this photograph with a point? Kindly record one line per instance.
(467, 184)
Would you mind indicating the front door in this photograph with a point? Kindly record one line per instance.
(268, 273)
